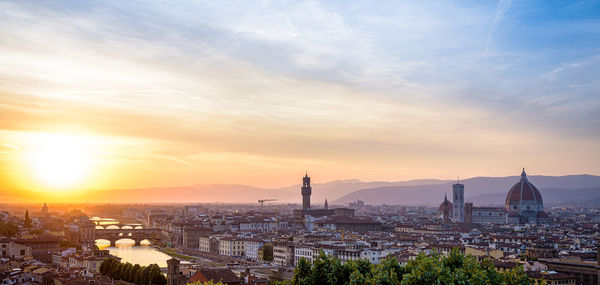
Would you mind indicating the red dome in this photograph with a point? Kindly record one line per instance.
(446, 205)
(523, 191)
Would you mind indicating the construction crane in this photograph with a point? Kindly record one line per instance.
(262, 202)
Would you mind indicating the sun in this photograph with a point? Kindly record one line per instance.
(60, 161)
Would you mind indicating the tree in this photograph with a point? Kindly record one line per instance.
(138, 276)
(116, 271)
(27, 221)
(145, 273)
(8, 229)
(126, 270)
(321, 268)
(455, 268)
(268, 252)
(302, 272)
(155, 276)
(133, 273)
(107, 265)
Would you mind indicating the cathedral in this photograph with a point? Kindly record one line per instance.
(523, 205)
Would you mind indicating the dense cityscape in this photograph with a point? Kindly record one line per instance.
(264, 242)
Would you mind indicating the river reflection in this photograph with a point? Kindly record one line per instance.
(143, 255)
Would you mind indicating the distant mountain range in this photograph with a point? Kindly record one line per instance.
(479, 190)
(232, 193)
(483, 191)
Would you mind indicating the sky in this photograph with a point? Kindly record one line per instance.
(130, 94)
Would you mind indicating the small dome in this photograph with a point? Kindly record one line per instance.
(523, 191)
(446, 205)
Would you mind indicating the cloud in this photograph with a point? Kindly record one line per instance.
(501, 9)
(309, 80)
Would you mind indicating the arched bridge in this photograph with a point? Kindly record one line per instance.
(119, 224)
(137, 235)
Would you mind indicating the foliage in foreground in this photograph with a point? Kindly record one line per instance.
(454, 268)
(141, 275)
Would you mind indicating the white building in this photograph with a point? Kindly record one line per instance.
(310, 252)
(252, 246)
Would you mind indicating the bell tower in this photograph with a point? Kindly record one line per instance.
(306, 191)
(458, 191)
(172, 271)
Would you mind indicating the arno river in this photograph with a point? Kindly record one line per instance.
(144, 254)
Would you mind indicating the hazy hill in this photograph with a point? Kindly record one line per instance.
(482, 190)
(551, 196)
(231, 193)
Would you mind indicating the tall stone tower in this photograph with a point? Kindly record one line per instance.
(173, 271)
(458, 192)
(306, 191)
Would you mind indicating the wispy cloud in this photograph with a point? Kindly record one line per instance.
(501, 9)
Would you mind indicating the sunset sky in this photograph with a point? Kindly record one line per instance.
(128, 94)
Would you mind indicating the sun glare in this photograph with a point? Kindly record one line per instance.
(60, 161)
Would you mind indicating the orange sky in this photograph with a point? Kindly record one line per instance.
(257, 96)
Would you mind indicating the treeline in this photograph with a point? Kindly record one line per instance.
(141, 275)
(454, 268)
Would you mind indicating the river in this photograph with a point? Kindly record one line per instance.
(145, 254)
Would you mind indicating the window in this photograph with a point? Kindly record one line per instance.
(22, 252)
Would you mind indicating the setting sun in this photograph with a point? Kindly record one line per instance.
(60, 160)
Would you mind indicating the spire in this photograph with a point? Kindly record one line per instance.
(326, 206)
(306, 173)
(523, 175)
(445, 197)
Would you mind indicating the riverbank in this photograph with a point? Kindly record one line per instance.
(173, 253)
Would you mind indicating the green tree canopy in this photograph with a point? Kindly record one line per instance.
(454, 268)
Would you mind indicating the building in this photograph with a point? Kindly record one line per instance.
(585, 272)
(458, 193)
(551, 278)
(306, 192)
(484, 215)
(283, 253)
(252, 247)
(41, 247)
(542, 252)
(191, 235)
(445, 210)
(310, 252)
(524, 203)
(349, 224)
(173, 271)
(300, 214)
(13, 250)
(87, 230)
(223, 275)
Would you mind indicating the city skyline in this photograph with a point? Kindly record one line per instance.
(117, 95)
